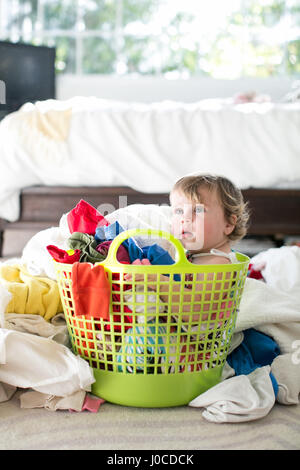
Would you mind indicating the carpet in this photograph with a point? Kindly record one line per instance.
(116, 427)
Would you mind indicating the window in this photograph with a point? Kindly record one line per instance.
(171, 38)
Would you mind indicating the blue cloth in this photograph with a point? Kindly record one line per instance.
(154, 253)
(157, 255)
(135, 252)
(109, 232)
(256, 350)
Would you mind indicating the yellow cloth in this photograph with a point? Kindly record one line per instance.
(30, 294)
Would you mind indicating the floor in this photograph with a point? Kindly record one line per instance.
(119, 428)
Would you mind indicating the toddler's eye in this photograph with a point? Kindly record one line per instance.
(178, 211)
(199, 209)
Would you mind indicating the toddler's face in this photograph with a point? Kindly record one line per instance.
(199, 226)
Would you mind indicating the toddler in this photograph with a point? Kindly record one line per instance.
(208, 214)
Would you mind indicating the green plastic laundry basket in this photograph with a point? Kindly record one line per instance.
(149, 353)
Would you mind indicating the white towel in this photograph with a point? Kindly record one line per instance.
(29, 361)
(286, 370)
(5, 298)
(262, 304)
(280, 267)
(239, 398)
(35, 254)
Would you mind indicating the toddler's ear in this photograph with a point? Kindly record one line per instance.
(229, 226)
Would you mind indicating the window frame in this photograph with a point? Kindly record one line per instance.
(117, 36)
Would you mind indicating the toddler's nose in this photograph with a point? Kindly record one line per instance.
(186, 218)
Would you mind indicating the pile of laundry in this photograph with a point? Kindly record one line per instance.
(263, 365)
(90, 238)
(92, 235)
(33, 327)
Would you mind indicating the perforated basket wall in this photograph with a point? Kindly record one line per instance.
(167, 337)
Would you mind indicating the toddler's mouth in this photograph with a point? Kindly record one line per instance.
(186, 234)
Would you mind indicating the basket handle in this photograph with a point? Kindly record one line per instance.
(111, 258)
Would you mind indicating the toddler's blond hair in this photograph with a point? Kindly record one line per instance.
(229, 195)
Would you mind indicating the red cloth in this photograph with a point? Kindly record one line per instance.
(85, 218)
(91, 290)
(61, 256)
(122, 253)
(254, 273)
(90, 404)
(88, 300)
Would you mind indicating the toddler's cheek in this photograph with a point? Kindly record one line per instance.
(176, 228)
